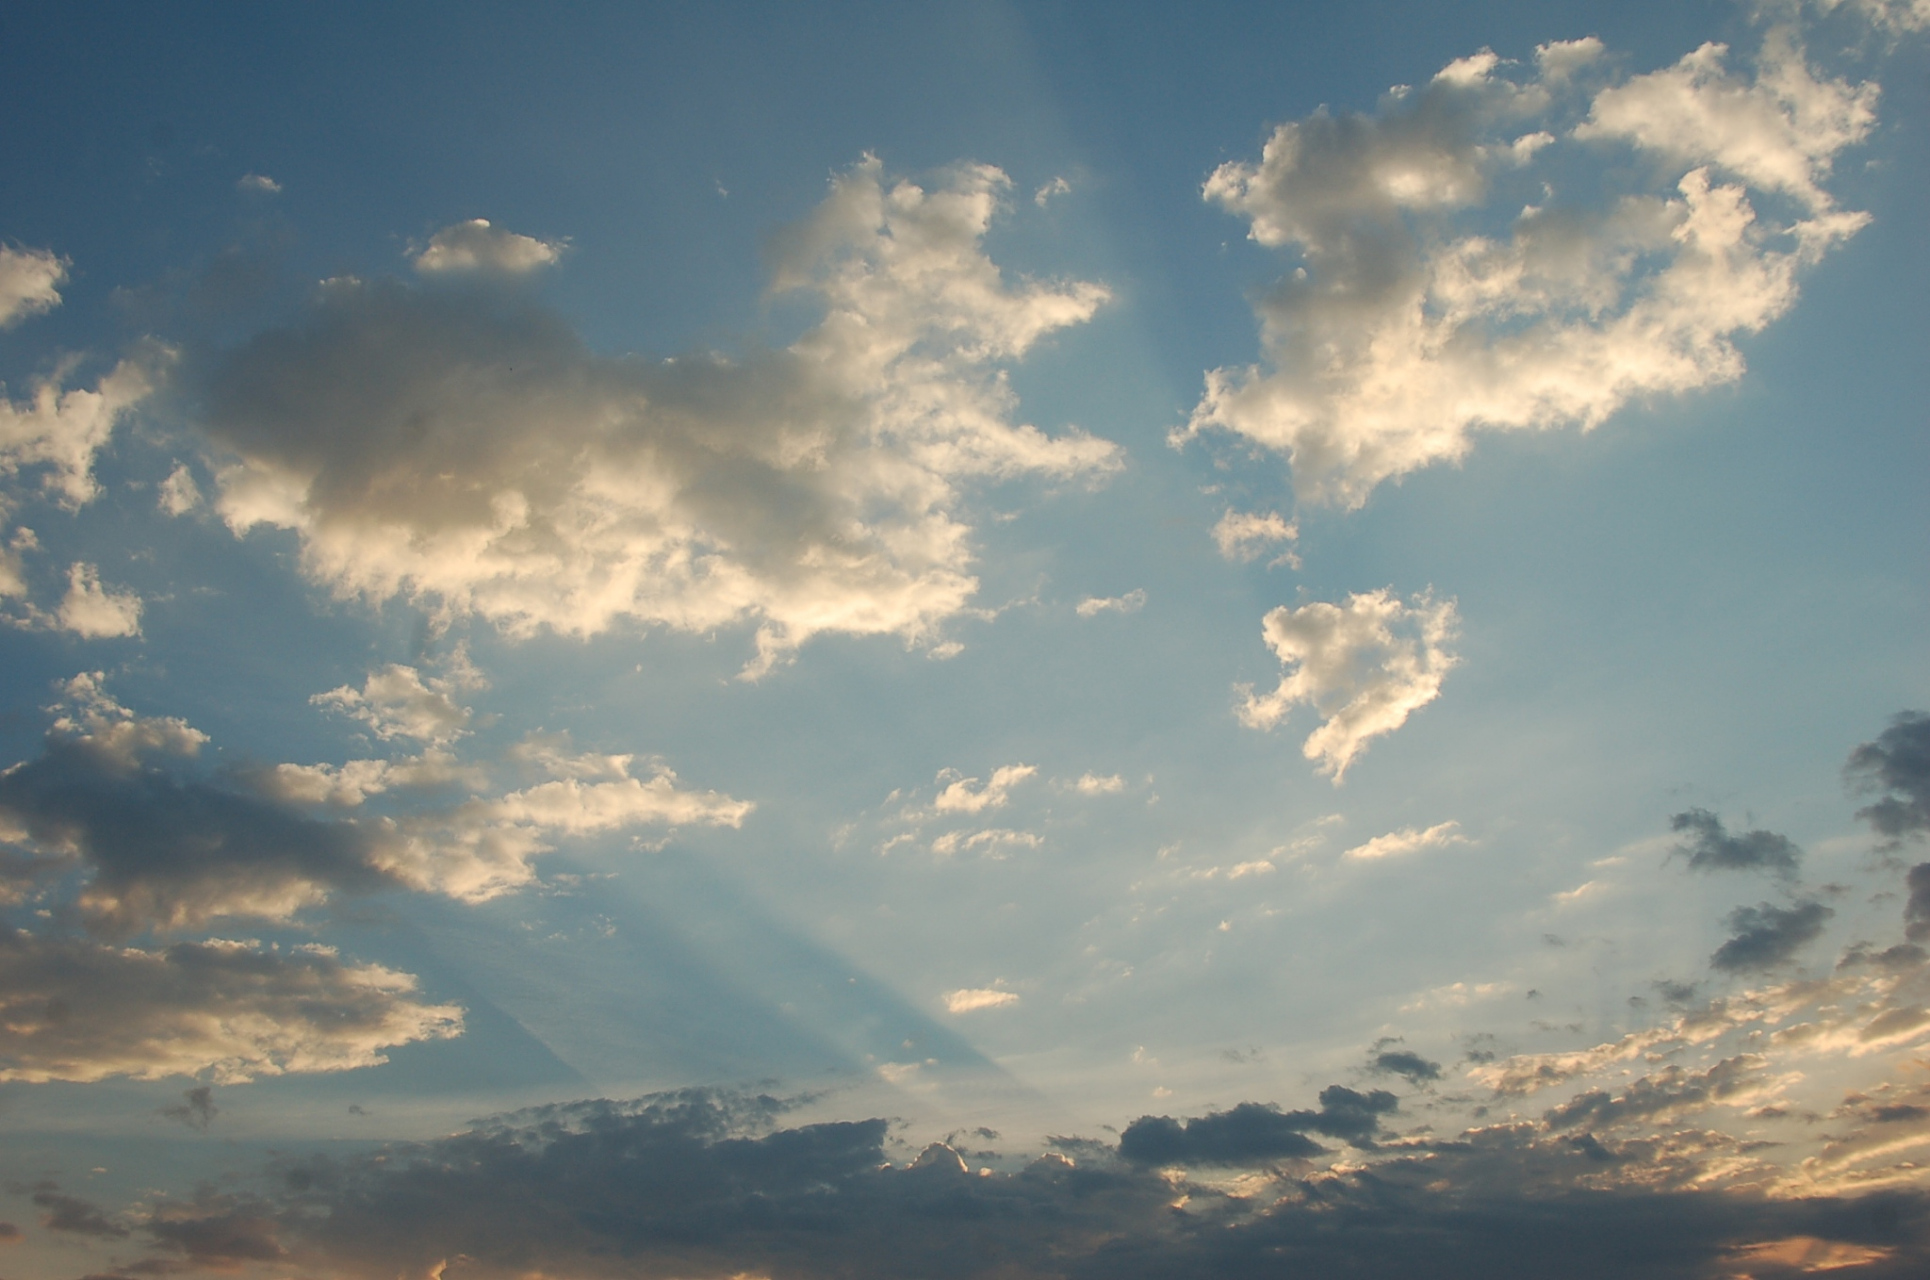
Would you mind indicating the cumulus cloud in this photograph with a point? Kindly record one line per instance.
(1246, 535)
(1710, 848)
(63, 429)
(1254, 1133)
(93, 611)
(30, 281)
(1401, 1062)
(1407, 840)
(1897, 765)
(1478, 254)
(260, 183)
(1767, 935)
(1092, 606)
(1365, 665)
(179, 494)
(1094, 784)
(475, 246)
(395, 702)
(469, 452)
(79, 1010)
(161, 845)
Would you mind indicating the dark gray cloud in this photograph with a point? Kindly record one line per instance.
(1916, 912)
(700, 1184)
(1766, 935)
(196, 1108)
(170, 850)
(62, 1212)
(1897, 764)
(1669, 1090)
(1710, 848)
(1255, 1133)
(1413, 1066)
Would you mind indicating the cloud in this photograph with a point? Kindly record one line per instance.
(1093, 784)
(1472, 256)
(258, 183)
(1353, 666)
(1400, 1062)
(1916, 912)
(1246, 535)
(1767, 935)
(30, 282)
(1710, 848)
(1407, 840)
(964, 795)
(470, 453)
(92, 611)
(971, 999)
(395, 702)
(63, 430)
(163, 847)
(1254, 1133)
(82, 1011)
(1669, 1092)
(73, 1215)
(1092, 606)
(475, 246)
(1898, 763)
(196, 1108)
(179, 494)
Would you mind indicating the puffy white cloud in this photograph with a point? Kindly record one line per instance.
(91, 610)
(1094, 784)
(82, 1011)
(1407, 840)
(476, 246)
(470, 453)
(259, 183)
(179, 494)
(965, 795)
(1424, 307)
(971, 999)
(1092, 606)
(1364, 665)
(1246, 535)
(63, 429)
(395, 702)
(30, 282)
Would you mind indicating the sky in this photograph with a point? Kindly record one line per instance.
(986, 640)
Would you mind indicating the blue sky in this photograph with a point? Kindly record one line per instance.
(1018, 639)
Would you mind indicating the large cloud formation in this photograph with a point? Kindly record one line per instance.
(1365, 665)
(700, 1184)
(470, 452)
(1480, 253)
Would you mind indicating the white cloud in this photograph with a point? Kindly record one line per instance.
(476, 246)
(91, 610)
(1092, 606)
(63, 430)
(1365, 666)
(1407, 840)
(1056, 187)
(1424, 307)
(970, 999)
(423, 445)
(395, 703)
(1093, 784)
(1246, 535)
(30, 282)
(233, 1011)
(258, 182)
(964, 795)
(994, 841)
(179, 493)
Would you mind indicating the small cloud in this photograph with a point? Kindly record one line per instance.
(1412, 1066)
(1897, 764)
(29, 283)
(970, 999)
(196, 1108)
(1091, 784)
(94, 612)
(1056, 187)
(1131, 602)
(1406, 840)
(1767, 935)
(1710, 848)
(475, 246)
(258, 182)
(1245, 535)
(964, 795)
(179, 493)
